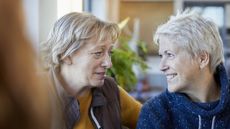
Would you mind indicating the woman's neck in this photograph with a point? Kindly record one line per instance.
(207, 89)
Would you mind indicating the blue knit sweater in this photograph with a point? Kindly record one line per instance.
(176, 111)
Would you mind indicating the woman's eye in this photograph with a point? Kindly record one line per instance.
(170, 55)
(97, 54)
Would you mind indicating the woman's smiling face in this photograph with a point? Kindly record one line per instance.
(178, 65)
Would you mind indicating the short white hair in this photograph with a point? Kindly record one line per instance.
(194, 33)
(70, 32)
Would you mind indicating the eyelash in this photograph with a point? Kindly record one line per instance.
(99, 54)
(167, 54)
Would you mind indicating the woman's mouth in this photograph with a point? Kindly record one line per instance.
(170, 76)
(100, 75)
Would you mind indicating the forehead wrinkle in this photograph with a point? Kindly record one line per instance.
(101, 46)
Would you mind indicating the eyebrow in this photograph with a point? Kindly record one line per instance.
(102, 47)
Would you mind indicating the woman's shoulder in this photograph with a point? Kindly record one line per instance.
(157, 102)
(154, 112)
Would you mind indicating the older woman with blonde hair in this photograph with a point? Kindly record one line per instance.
(77, 54)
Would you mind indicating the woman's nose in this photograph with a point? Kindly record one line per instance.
(163, 65)
(107, 63)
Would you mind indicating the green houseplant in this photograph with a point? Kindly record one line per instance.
(123, 59)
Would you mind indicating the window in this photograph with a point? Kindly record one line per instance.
(66, 6)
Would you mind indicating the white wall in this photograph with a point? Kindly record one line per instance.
(99, 9)
(66, 6)
(41, 14)
(227, 16)
(178, 5)
(39, 17)
(31, 11)
(47, 17)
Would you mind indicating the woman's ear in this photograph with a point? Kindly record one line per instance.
(67, 60)
(203, 59)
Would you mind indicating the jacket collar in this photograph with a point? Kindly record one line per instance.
(98, 99)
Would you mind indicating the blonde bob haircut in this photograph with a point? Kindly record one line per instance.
(70, 32)
(194, 33)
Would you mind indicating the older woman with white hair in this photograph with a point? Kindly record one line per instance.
(77, 54)
(198, 94)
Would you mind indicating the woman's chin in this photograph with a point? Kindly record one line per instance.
(98, 82)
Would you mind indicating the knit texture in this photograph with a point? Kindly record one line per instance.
(176, 111)
(72, 112)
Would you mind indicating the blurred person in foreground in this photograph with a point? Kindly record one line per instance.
(77, 54)
(24, 101)
(197, 96)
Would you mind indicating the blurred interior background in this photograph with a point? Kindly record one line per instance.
(144, 17)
